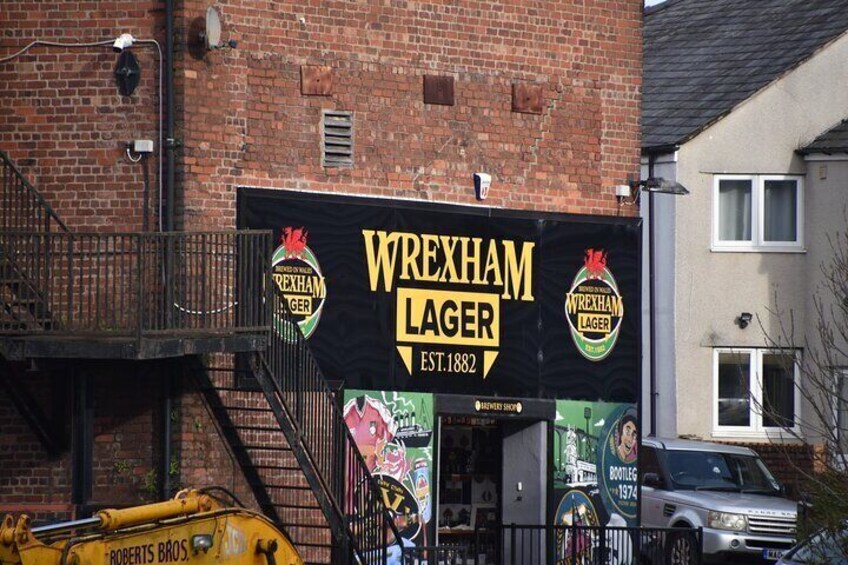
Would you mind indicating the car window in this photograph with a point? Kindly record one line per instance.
(719, 471)
(649, 462)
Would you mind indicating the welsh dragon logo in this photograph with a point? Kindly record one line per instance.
(299, 283)
(594, 307)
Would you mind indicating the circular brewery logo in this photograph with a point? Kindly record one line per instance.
(617, 470)
(575, 509)
(299, 284)
(594, 307)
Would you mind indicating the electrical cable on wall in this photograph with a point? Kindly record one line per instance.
(124, 41)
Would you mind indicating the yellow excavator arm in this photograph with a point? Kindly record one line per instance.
(191, 529)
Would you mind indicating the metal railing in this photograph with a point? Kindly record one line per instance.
(134, 284)
(326, 439)
(435, 555)
(22, 208)
(596, 545)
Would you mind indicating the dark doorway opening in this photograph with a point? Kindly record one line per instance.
(470, 485)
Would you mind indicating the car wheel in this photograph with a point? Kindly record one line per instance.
(680, 549)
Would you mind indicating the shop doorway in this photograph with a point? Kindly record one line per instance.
(492, 471)
(470, 485)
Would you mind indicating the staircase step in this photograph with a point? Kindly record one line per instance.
(295, 506)
(254, 428)
(257, 447)
(246, 409)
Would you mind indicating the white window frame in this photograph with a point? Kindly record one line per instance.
(758, 243)
(839, 374)
(756, 428)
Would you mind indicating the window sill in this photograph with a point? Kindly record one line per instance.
(792, 250)
(758, 435)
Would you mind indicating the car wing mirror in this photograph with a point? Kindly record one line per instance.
(652, 480)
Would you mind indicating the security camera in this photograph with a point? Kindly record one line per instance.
(482, 182)
(125, 41)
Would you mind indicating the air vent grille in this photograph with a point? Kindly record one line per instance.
(337, 139)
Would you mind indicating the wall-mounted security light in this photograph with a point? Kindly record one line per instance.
(124, 41)
(630, 193)
(743, 320)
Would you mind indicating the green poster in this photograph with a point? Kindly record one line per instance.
(394, 433)
(594, 457)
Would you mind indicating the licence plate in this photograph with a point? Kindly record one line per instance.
(773, 554)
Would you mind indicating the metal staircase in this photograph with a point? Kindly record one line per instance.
(25, 220)
(311, 478)
(286, 430)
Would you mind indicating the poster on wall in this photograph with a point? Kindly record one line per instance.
(394, 433)
(400, 295)
(595, 448)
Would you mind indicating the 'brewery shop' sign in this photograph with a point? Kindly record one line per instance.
(395, 295)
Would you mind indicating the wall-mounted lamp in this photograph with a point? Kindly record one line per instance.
(629, 193)
(743, 320)
(124, 41)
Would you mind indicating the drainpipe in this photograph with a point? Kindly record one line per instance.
(652, 299)
(170, 142)
(170, 147)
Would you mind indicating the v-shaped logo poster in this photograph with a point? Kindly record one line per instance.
(440, 329)
(299, 283)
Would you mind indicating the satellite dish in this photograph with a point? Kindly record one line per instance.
(212, 35)
(204, 35)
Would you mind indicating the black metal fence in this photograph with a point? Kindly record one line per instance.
(441, 555)
(595, 545)
(134, 284)
(326, 439)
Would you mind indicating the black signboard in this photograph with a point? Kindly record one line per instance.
(399, 295)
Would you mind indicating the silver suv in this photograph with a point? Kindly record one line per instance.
(726, 490)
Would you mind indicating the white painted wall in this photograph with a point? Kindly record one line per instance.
(713, 288)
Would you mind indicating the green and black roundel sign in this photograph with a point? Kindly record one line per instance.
(298, 281)
(594, 307)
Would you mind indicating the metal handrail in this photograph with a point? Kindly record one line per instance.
(314, 408)
(22, 207)
(134, 284)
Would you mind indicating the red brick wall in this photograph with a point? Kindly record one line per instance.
(30, 479)
(205, 460)
(127, 434)
(62, 119)
(245, 121)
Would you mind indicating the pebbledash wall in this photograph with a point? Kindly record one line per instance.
(242, 120)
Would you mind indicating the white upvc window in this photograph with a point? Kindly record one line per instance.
(758, 213)
(840, 412)
(755, 392)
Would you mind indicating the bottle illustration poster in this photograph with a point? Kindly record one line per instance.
(394, 433)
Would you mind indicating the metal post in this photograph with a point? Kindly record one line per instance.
(83, 432)
(653, 313)
(512, 543)
(573, 537)
(167, 381)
